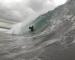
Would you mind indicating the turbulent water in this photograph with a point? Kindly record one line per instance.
(56, 42)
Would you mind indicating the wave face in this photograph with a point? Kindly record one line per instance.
(55, 42)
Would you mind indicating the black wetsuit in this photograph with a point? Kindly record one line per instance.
(31, 28)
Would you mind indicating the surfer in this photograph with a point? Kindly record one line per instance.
(31, 28)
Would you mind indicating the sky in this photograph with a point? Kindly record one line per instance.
(20, 10)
